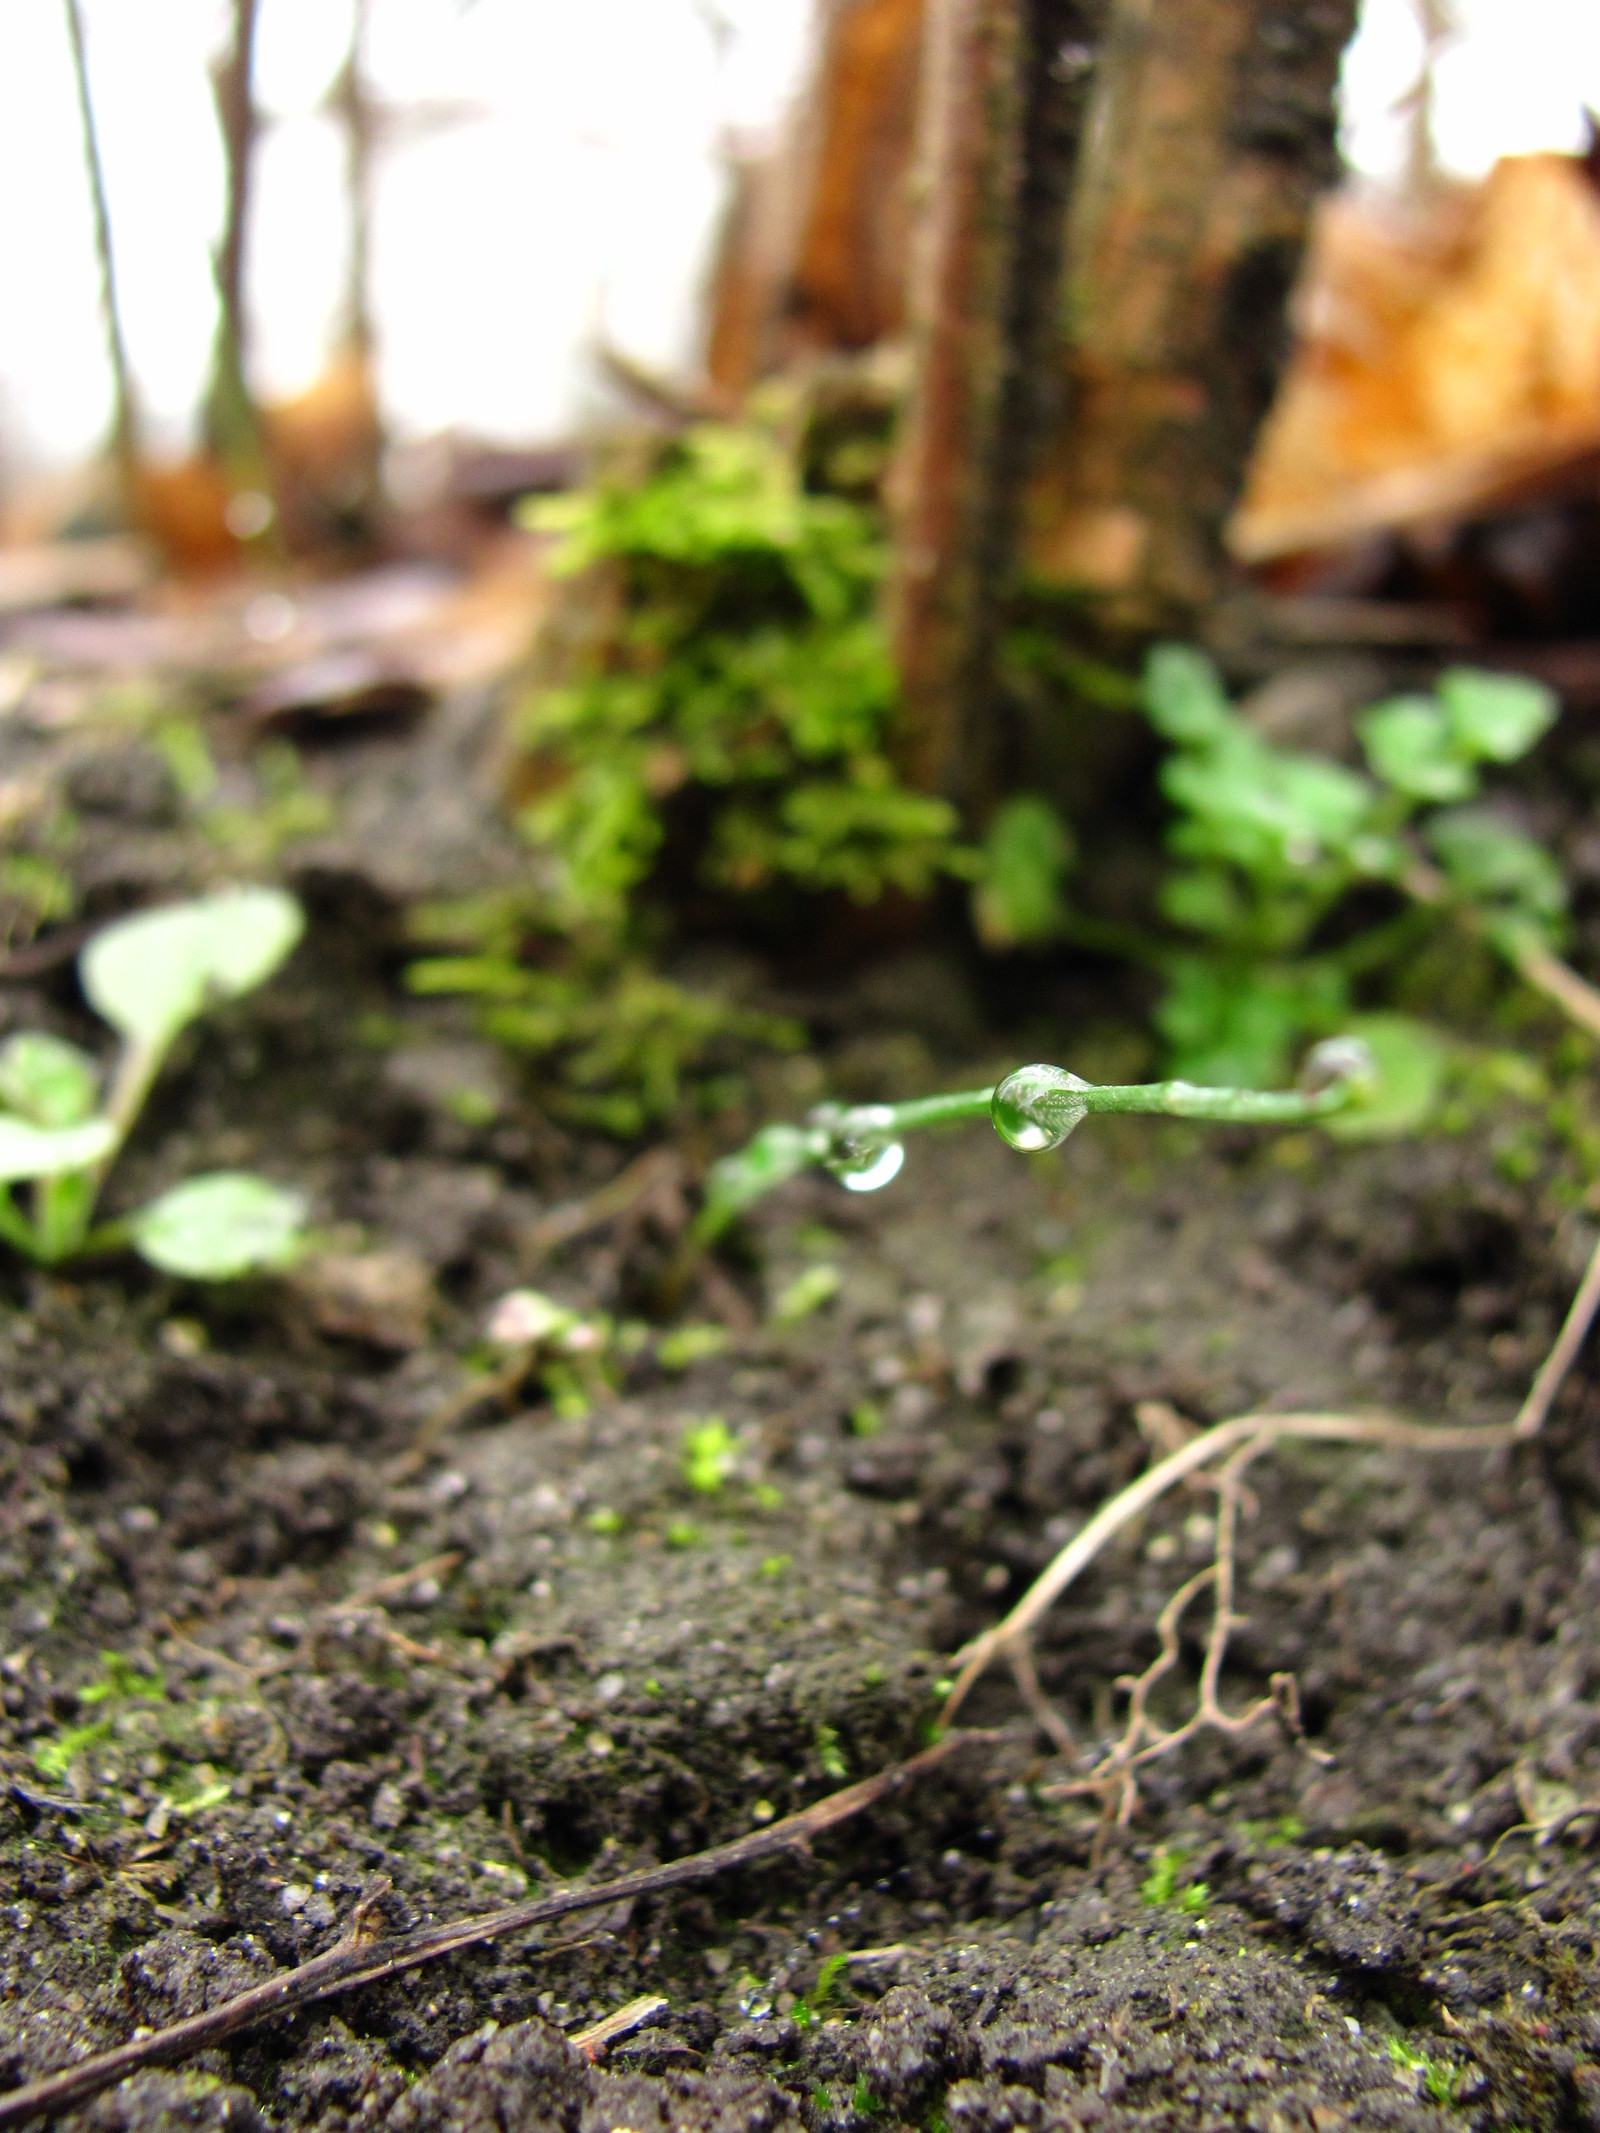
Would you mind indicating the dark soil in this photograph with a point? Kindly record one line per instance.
(536, 1652)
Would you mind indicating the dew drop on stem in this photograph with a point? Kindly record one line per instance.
(867, 1169)
(1037, 1107)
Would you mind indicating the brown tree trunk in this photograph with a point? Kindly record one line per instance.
(813, 252)
(1003, 93)
(1210, 134)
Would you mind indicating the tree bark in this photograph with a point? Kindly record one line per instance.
(813, 253)
(1211, 131)
(1003, 90)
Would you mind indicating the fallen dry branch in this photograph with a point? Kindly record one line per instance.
(362, 1956)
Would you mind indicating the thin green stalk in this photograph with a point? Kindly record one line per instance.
(15, 1227)
(1171, 1099)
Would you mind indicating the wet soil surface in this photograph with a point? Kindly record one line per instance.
(264, 1640)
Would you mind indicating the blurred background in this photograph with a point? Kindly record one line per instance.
(535, 179)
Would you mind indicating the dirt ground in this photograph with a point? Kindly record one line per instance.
(317, 1654)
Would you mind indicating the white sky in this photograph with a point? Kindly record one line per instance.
(566, 180)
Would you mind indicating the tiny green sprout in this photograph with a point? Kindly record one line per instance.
(808, 1292)
(604, 1521)
(710, 1455)
(682, 1534)
(1164, 1884)
(149, 976)
(862, 2100)
(829, 1753)
(122, 1680)
(1439, 2080)
(54, 1758)
(865, 1419)
(765, 1497)
(774, 1566)
(685, 1346)
(1032, 1110)
(874, 1675)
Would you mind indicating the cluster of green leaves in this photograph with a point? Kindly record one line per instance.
(149, 976)
(1272, 842)
(619, 1042)
(737, 697)
(746, 660)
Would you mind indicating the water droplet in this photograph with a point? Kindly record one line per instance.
(1337, 1059)
(867, 1169)
(1037, 1107)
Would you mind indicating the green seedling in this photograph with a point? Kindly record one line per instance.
(1271, 843)
(710, 1455)
(809, 2008)
(685, 1346)
(120, 1684)
(830, 1755)
(149, 977)
(1164, 1885)
(1032, 1110)
(808, 1292)
(564, 1349)
(1439, 2080)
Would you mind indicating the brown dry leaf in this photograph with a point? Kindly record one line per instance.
(1448, 352)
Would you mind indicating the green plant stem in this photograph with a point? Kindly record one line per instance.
(1171, 1099)
(15, 1227)
(1578, 1000)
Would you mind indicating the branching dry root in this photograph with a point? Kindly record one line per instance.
(1221, 1456)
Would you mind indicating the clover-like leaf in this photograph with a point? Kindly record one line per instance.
(219, 1226)
(46, 1080)
(1411, 744)
(31, 1151)
(1498, 716)
(150, 974)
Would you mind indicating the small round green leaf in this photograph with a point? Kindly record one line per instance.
(47, 1080)
(222, 1225)
(150, 974)
(29, 1151)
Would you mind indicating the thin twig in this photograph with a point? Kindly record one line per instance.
(360, 1956)
(389, 1588)
(596, 2041)
(124, 416)
(1553, 1370)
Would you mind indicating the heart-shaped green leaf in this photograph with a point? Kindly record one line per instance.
(30, 1151)
(222, 1225)
(1496, 715)
(151, 973)
(1412, 746)
(46, 1080)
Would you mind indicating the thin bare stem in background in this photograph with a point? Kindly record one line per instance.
(232, 423)
(125, 414)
